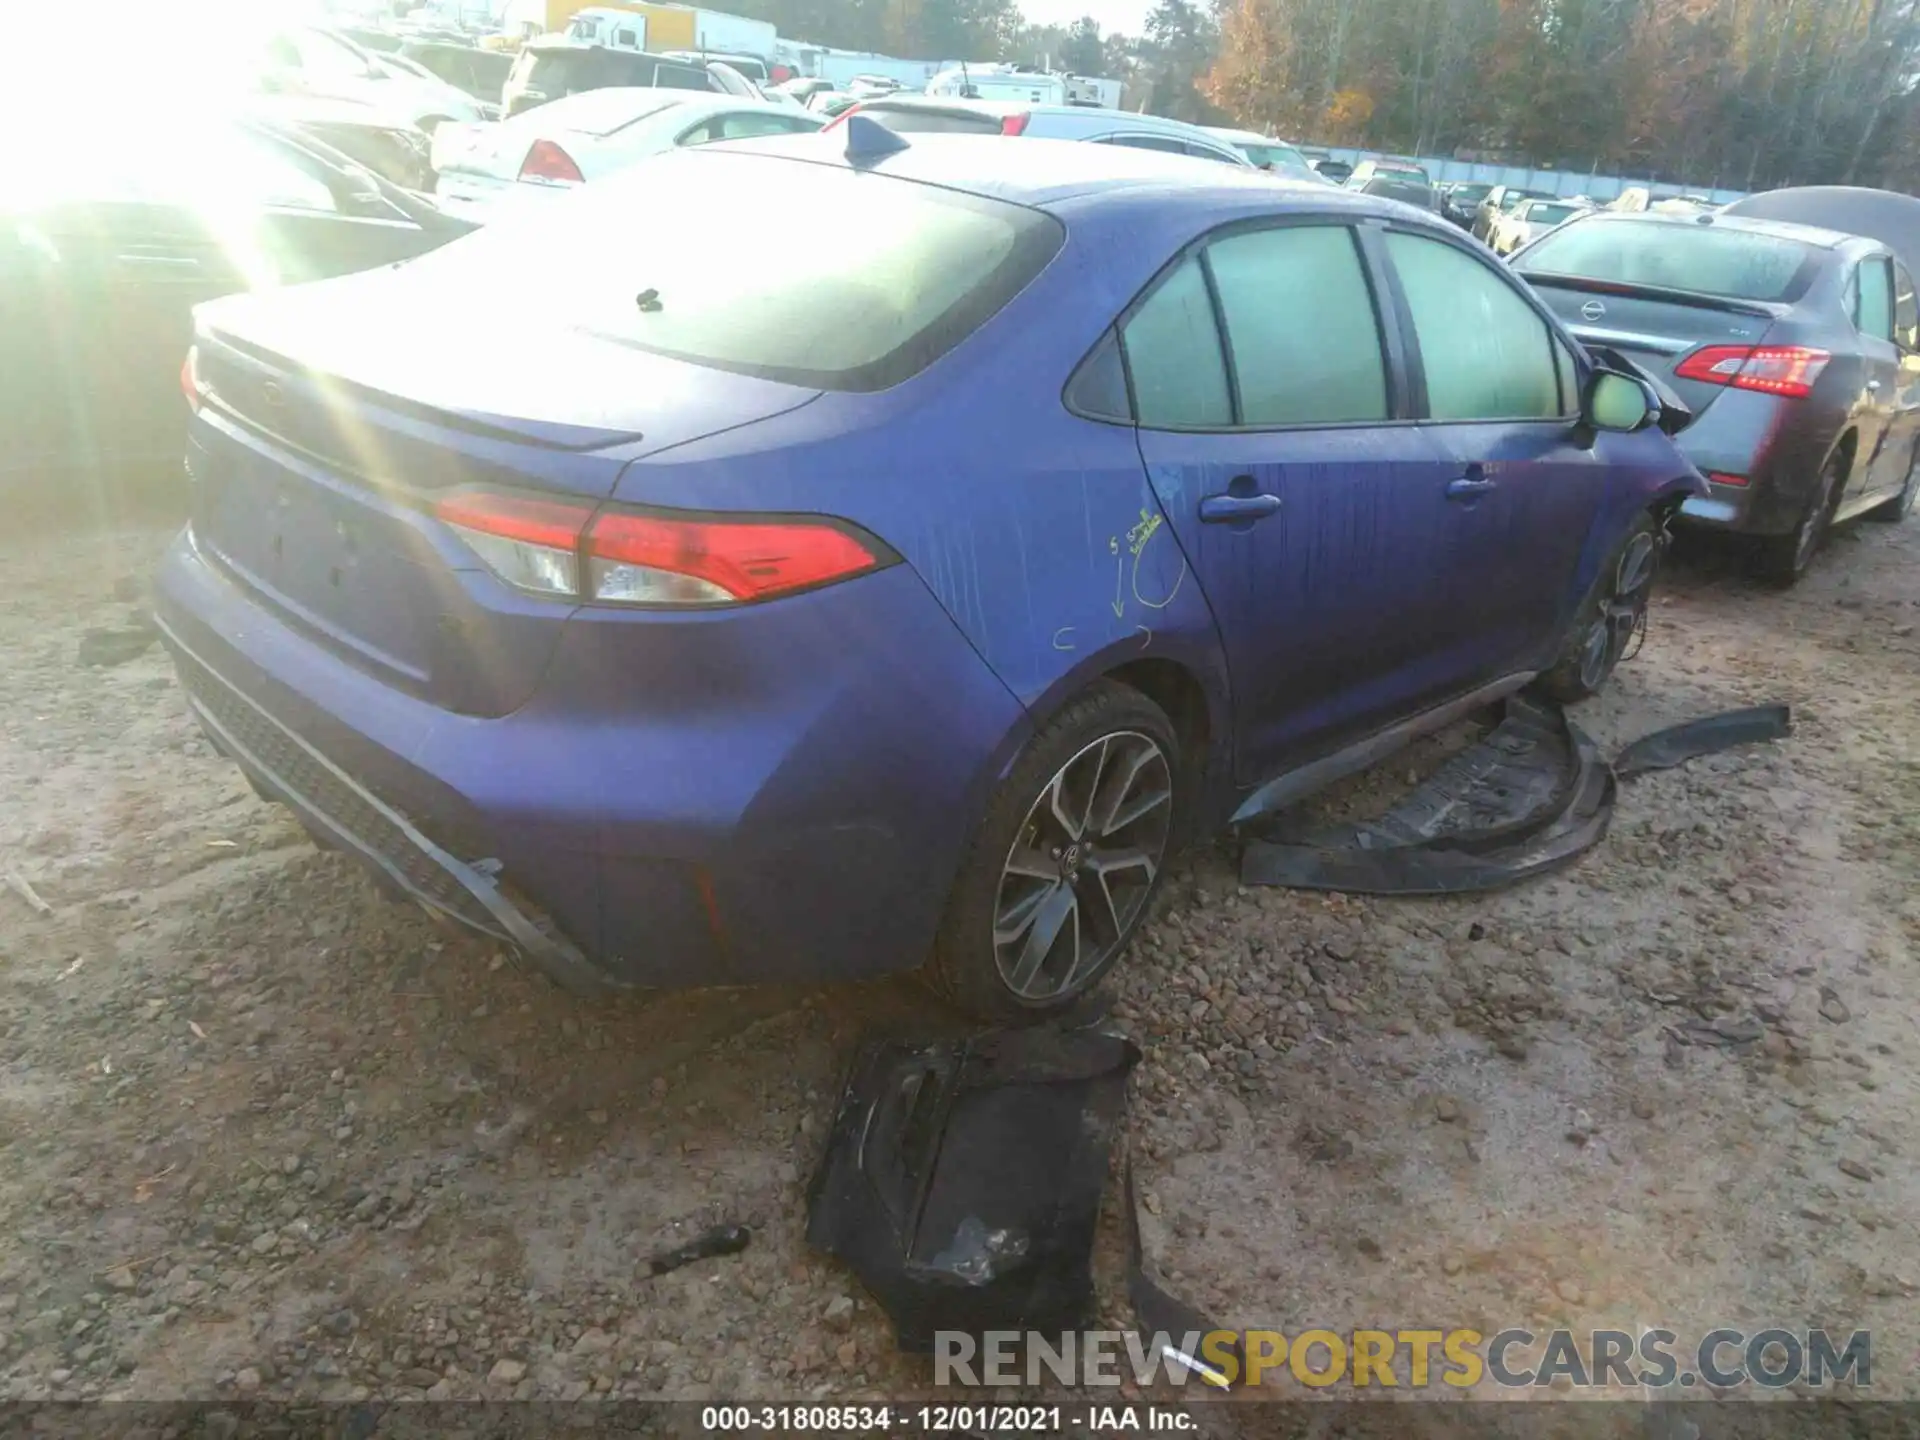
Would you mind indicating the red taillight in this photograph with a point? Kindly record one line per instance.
(1720, 477)
(190, 377)
(547, 161)
(1788, 370)
(654, 559)
(558, 548)
(1015, 124)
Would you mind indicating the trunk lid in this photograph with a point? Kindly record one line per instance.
(337, 411)
(1656, 328)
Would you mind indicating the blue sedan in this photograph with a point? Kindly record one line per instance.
(689, 602)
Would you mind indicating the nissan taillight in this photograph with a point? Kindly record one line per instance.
(1785, 370)
(656, 558)
(547, 161)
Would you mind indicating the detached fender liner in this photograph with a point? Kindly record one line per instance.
(335, 807)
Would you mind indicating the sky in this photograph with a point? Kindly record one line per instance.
(1129, 17)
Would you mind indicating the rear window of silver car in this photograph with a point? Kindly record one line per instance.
(1701, 259)
(674, 256)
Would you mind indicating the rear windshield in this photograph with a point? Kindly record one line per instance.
(1552, 214)
(558, 72)
(1402, 172)
(1514, 197)
(915, 120)
(1398, 187)
(675, 257)
(1696, 258)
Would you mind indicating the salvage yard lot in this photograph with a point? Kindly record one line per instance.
(261, 1132)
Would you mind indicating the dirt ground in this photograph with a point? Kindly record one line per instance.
(264, 1133)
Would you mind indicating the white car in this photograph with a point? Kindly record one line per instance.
(1531, 219)
(584, 137)
(942, 115)
(1276, 157)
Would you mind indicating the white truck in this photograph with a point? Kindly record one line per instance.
(843, 67)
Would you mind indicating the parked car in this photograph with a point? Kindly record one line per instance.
(1797, 348)
(1276, 157)
(1528, 221)
(1499, 201)
(805, 87)
(108, 241)
(1460, 200)
(480, 73)
(829, 103)
(640, 656)
(750, 66)
(587, 137)
(323, 64)
(1327, 167)
(551, 68)
(1396, 180)
(390, 145)
(945, 115)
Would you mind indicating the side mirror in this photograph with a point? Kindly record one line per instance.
(1618, 403)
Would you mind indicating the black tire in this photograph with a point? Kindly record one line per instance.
(999, 878)
(1783, 559)
(1892, 512)
(1605, 623)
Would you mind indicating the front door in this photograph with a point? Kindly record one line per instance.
(1276, 431)
(1501, 393)
(1878, 454)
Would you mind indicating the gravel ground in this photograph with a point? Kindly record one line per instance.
(263, 1134)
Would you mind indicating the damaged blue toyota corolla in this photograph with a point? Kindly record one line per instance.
(736, 605)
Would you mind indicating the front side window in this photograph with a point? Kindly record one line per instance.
(1300, 326)
(1174, 355)
(1487, 353)
(1873, 299)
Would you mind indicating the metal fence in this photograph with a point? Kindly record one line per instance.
(1556, 182)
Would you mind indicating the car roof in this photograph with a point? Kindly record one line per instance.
(1048, 173)
(1741, 224)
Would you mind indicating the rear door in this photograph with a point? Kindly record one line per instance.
(1275, 429)
(1877, 418)
(1903, 448)
(1501, 393)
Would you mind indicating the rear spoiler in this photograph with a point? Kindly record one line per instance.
(1760, 308)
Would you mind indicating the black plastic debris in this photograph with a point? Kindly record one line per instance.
(1531, 796)
(1165, 1319)
(961, 1180)
(1678, 744)
(721, 1240)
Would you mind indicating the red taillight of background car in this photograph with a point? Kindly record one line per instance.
(1015, 124)
(1785, 370)
(547, 161)
(656, 558)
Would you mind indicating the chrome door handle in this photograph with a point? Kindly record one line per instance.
(1467, 488)
(1226, 509)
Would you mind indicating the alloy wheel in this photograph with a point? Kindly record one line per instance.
(1619, 615)
(1081, 866)
(1806, 538)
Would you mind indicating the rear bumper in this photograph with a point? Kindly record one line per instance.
(668, 810)
(1777, 445)
(342, 814)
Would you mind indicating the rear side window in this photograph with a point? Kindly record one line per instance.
(1487, 353)
(904, 121)
(1702, 259)
(1873, 299)
(674, 258)
(1300, 326)
(1162, 143)
(1174, 356)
